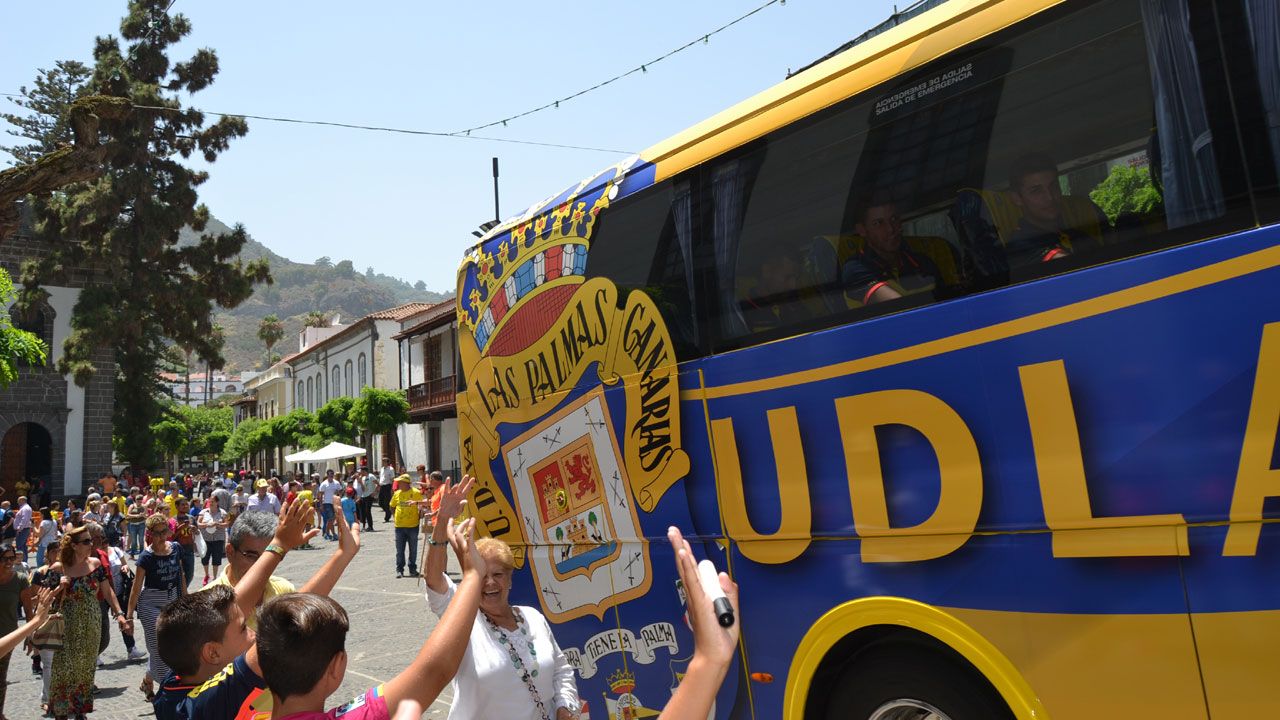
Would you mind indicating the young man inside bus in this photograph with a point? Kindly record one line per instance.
(1041, 234)
(884, 268)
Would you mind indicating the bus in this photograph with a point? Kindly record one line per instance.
(959, 350)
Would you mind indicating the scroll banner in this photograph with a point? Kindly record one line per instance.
(629, 344)
(641, 647)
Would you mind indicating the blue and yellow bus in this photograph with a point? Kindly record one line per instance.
(959, 350)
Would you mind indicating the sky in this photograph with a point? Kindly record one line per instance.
(405, 205)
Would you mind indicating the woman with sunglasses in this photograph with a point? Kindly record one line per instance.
(157, 581)
(78, 574)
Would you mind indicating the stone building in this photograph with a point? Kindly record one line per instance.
(50, 428)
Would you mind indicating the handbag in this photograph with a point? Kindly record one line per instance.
(49, 635)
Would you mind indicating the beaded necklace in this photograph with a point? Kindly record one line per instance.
(526, 674)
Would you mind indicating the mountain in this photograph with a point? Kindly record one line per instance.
(299, 288)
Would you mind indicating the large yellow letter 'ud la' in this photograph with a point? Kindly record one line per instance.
(1063, 491)
(1255, 480)
(960, 496)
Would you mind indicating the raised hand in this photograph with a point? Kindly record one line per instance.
(292, 529)
(44, 603)
(462, 539)
(717, 644)
(454, 498)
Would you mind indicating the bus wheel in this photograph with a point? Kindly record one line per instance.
(908, 682)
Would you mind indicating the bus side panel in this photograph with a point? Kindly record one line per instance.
(1237, 648)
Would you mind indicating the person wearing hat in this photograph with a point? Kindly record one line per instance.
(263, 501)
(405, 501)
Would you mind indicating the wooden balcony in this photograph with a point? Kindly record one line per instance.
(432, 396)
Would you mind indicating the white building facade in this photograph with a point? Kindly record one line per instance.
(343, 363)
(428, 351)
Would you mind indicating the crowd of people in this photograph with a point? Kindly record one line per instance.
(248, 643)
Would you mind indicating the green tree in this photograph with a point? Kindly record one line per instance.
(170, 439)
(270, 332)
(316, 319)
(333, 423)
(420, 286)
(16, 346)
(1127, 189)
(381, 411)
(344, 270)
(240, 444)
(214, 443)
(126, 223)
(203, 424)
(324, 262)
(47, 122)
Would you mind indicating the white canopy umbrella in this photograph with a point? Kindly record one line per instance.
(334, 451)
(300, 456)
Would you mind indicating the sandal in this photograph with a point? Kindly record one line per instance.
(147, 691)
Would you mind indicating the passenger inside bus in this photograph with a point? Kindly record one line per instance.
(884, 268)
(1042, 234)
(773, 301)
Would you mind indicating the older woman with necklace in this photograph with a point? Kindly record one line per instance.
(513, 667)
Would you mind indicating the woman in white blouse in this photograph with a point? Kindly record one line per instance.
(513, 667)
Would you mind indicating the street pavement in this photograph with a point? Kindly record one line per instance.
(389, 618)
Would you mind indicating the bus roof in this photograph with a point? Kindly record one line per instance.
(889, 54)
(930, 29)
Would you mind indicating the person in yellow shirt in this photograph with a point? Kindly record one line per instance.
(406, 501)
(308, 493)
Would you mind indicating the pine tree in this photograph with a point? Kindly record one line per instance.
(125, 225)
(47, 124)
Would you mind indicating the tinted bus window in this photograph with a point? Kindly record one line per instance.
(1086, 135)
(646, 243)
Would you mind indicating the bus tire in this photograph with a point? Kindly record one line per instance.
(908, 682)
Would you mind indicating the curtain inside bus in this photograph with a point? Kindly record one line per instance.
(728, 183)
(1187, 169)
(1264, 26)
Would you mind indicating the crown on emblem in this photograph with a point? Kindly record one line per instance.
(621, 681)
(545, 247)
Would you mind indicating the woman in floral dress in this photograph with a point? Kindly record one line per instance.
(77, 576)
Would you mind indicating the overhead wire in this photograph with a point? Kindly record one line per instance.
(466, 133)
(641, 68)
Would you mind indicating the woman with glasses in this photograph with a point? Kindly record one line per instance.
(158, 580)
(78, 575)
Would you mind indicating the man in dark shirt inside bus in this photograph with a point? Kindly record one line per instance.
(1041, 235)
(773, 301)
(884, 269)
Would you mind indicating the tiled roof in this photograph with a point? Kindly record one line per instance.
(440, 313)
(401, 312)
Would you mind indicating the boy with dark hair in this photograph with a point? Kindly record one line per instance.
(223, 677)
(302, 649)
